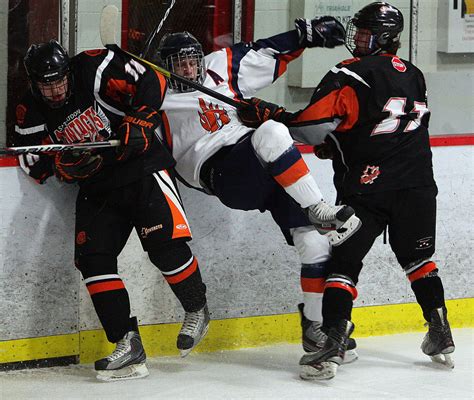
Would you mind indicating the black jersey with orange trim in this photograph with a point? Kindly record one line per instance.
(106, 86)
(374, 111)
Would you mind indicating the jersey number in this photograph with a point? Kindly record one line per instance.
(134, 69)
(396, 107)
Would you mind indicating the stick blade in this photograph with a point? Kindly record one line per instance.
(108, 24)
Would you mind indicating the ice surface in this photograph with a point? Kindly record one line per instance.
(389, 367)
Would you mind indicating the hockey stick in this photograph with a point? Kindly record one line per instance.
(45, 148)
(146, 48)
(108, 28)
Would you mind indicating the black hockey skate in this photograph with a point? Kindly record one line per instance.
(195, 327)
(438, 342)
(337, 223)
(126, 362)
(313, 338)
(322, 364)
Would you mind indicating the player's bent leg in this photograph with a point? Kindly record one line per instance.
(127, 361)
(180, 269)
(276, 150)
(338, 223)
(339, 293)
(314, 252)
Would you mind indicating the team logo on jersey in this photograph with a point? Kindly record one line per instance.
(212, 117)
(369, 175)
(146, 231)
(398, 64)
(81, 238)
(424, 243)
(20, 114)
(86, 126)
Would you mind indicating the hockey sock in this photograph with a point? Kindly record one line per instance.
(429, 293)
(180, 269)
(275, 149)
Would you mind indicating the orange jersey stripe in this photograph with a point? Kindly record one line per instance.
(338, 103)
(424, 270)
(285, 59)
(163, 85)
(183, 274)
(313, 285)
(293, 174)
(180, 226)
(105, 287)
(340, 285)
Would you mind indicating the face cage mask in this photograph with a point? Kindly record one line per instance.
(55, 93)
(366, 46)
(183, 58)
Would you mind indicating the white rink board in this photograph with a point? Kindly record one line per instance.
(248, 268)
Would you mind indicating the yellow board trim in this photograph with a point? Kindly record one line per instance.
(227, 334)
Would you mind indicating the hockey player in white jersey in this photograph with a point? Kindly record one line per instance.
(251, 169)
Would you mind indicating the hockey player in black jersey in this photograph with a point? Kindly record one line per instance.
(370, 115)
(95, 96)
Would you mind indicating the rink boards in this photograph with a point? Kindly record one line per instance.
(251, 274)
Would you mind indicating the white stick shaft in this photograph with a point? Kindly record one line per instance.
(108, 24)
(44, 148)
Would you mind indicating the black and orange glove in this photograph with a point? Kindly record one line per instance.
(254, 112)
(324, 151)
(320, 32)
(71, 166)
(137, 131)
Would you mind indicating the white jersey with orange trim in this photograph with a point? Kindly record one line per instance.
(201, 125)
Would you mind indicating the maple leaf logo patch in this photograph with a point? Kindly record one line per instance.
(369, 175)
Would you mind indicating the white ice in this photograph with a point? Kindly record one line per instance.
(389, 367)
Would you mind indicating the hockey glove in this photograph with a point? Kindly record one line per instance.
(320, 32)
(70, 166)
(324, 151)
(136, 132)
(256, 111)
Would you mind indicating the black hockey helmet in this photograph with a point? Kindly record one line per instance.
(177, 48)
(48, 66)
(385, 25)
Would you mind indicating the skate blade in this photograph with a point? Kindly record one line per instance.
(319, 372)
(444, 359)
(339, 236)
(350, 356)
(185, 352)
(135, 371)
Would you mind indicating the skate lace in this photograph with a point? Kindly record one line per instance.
(123, 347)
(324, 212)
(191, 323)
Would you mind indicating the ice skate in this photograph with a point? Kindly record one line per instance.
(313, 338)
(126, 362)
(194, 329)
(438, 342)
(323, 364)
(338, 223)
